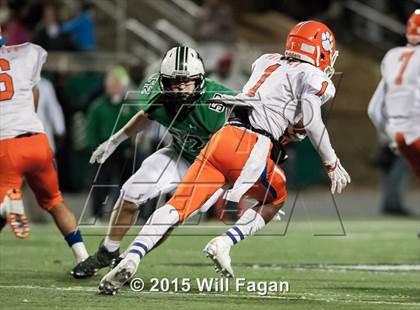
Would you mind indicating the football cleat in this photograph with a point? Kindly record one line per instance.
(218, 250)
(15, 213)
(117, 277)
(115, 262)
(90, 266)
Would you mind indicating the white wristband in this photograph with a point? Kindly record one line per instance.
(330, 161)
(119, 137)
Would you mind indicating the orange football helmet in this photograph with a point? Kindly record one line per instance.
(413, 28)
(312, 42)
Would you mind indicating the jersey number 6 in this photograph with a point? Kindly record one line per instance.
(6, 83)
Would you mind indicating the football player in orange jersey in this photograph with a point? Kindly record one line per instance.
(24, 147)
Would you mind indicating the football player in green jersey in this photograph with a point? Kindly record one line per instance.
(178, 97)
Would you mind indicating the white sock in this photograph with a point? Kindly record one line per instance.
(249, 223)
(154, 229)
(79, 251)
(111, 245)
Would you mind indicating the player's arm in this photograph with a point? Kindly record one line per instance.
(55, 111)
(37, 57)
(316, 130)
(35, 92)
(136, 124)
(319, 137)
(376, 105)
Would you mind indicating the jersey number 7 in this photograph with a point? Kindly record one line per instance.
(6, 83)
(405, 58)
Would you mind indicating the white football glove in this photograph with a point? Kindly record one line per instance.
(101, 154)
(338, 176)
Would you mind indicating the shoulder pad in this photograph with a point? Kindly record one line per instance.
(266, 57)
(317, 83)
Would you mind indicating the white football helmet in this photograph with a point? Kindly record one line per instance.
(181, 64)
(182, 61)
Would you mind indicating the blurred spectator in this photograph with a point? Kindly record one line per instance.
(137, 74)
(107, 115)
(48, 33)
(216, 23)
(17, 32)
(216, 31)
(4, 12)
(51, 113)
(227, 74)
(82, 28)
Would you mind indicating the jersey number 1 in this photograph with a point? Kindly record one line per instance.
(7, 91)
(405, 58)
(264, 76)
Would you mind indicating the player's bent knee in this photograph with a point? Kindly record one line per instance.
(167, 213)
(136, 194)
(180, 208)
(57, 208)
(129, 206)
(50, 205)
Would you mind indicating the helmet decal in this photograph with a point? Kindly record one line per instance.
(181, 58)
(308, 48)
(327, 41)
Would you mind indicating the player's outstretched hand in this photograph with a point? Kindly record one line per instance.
(338, 176)
(101, 154)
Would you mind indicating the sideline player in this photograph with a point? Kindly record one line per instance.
(280, 91)
(24, 147)
(395, 106)
(178, 98)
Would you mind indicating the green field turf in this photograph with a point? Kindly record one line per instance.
(320, 270)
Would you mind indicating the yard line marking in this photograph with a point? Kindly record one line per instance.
(74, 288)
(300, 297)
(357, 267)
(328, 267)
